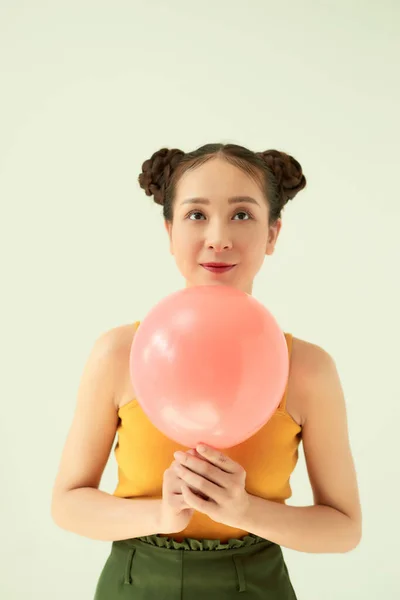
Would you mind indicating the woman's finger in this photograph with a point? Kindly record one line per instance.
(201, 467)
(197, 483)
(220, 460)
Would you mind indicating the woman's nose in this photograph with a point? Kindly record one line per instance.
(218, 239)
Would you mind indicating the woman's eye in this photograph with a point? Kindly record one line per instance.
(195, 214)
(244, 215)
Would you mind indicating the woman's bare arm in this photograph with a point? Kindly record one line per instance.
(334, 523)
(77, 503)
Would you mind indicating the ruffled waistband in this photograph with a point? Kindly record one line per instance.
(201, 544)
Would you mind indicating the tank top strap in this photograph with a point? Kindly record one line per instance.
(289, 341)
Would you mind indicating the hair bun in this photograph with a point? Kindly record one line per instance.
(156, 172)
(287, 170)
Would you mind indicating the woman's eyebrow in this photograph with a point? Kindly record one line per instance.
(232, 200)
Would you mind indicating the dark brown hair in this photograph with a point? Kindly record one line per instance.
(280, 174)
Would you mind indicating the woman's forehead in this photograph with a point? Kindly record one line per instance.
(215, 180)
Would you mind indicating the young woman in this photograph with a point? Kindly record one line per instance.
(195, 523)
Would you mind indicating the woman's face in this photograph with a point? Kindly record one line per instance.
(220, 216)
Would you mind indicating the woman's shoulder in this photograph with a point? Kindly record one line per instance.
(118, 338)
(116, 344)
(308, 362)
(307, 352)
(308, 357)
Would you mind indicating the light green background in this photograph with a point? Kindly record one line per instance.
(88, 91)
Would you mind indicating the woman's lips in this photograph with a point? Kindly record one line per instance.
(217, 267)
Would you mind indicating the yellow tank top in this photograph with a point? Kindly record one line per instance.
(269, 457)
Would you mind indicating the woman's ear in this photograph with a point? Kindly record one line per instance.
(273, 236)
(168, 227)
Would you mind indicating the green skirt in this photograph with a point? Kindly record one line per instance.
(160, 568)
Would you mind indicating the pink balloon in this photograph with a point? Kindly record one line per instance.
(209, 364)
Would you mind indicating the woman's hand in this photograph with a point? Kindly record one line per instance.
(217, 477)
(175, 512)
